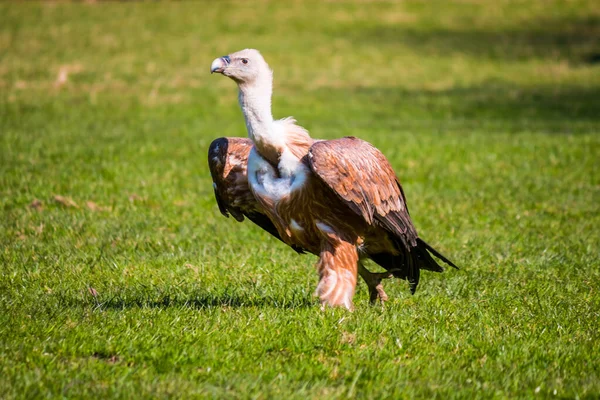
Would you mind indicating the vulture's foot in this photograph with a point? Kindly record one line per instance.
(373, 281)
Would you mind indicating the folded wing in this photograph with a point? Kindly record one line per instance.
(364, 179)
(228, 161)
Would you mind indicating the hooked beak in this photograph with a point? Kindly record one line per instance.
(219, 64)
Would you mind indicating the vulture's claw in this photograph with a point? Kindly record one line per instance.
(373, 281)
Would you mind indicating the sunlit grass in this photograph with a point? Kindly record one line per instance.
(121, 279)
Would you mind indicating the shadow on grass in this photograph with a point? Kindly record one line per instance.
(200, 301)
(576, 39)
(537, 108)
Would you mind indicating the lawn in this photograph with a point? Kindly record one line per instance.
(120, 278)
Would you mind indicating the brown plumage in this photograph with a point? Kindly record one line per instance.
(227, 161)
(338, 199)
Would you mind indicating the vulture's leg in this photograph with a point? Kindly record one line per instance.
(337, 273)
(373, 281)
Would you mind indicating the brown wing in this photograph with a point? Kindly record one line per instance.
(364, 179)
(228, 161)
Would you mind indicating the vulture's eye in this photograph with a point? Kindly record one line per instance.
(245, 60)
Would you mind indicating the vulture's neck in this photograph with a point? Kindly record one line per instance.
(255, 101)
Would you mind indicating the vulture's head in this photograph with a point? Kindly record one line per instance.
(245, 67)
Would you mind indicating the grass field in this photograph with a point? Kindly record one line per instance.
(119, 277)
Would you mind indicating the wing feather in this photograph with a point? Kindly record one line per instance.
(228, 161)
(362, 177)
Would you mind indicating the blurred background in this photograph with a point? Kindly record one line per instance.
(520, 63)
(110, 100)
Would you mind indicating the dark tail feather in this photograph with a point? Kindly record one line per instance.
(408, 264)
(414, 272)
(422, 244)
(420, 258)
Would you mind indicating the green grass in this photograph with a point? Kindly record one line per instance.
(488, 111)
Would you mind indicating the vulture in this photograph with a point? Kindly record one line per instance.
(337, 199)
